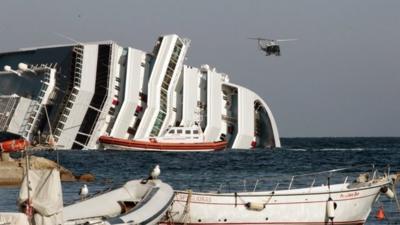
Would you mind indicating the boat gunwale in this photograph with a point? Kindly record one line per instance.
(276, 193)
(216, 145)
(354, 222)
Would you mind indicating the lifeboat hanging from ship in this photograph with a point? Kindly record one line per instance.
(10, 142)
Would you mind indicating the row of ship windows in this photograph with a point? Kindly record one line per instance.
(46, 79)
(158, 123)
(75, 91)
(160, 117)
(180, 131)
(165, 85)
(132, 130)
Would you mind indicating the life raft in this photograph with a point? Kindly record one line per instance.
(14, 145)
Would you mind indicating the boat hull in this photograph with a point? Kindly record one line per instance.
(144, 202)
(136, 145)
(291, 207)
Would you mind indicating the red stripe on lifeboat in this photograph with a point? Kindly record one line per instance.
(14, 145)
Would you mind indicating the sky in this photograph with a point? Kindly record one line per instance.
(341, 78)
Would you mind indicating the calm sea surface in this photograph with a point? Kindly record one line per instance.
(232, 170)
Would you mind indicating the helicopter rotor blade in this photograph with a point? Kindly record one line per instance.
(259, 39)
(289, 39)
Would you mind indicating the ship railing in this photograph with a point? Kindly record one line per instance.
(32, 113)
(35, 108)
(307, 180)
(74, 92)
(101, 110)
(6, 114)
(98, 114)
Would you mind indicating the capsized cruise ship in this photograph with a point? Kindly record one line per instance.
(81, 91)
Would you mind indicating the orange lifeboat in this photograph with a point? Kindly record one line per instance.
(14, 145)
(153, 145)
(174, 139)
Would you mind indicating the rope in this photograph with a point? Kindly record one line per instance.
(170, 216)
(395, 193)
(269, 199)
(186, 211)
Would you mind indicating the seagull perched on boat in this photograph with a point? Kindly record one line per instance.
(84, 191)
(155, 173)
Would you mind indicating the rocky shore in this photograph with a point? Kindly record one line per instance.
(12, 170)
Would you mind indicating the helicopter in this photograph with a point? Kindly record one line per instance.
(270, 46)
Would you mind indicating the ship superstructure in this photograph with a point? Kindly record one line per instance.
(81, 91)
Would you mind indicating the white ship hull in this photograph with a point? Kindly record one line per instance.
(77, 93)
(118, 147)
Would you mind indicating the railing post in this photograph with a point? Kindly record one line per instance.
(255, 186)
(291, 181)
(312, 184)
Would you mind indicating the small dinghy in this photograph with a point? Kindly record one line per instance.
(136, 202)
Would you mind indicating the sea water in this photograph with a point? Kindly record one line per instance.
(233, 170)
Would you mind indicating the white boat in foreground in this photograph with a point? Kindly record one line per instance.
(136, 202)
(150, 201)
(348, 203)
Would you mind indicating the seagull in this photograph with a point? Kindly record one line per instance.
(155, 173)
(84, 191)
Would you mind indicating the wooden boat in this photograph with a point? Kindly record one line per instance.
(345, 203)
(176, 139)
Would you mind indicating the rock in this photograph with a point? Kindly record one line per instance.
(10, 175)
(12, 171)
(87, 177)
(67, 176)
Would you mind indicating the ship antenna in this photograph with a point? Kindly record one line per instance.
(68, 38)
